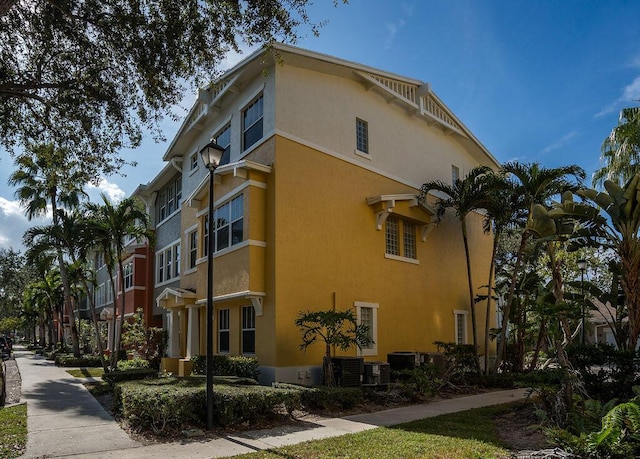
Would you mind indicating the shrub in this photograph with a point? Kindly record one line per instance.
(129, 375)
(159, 403)
(227, 365)
(68, 360)
(134, 363)
(325, 397)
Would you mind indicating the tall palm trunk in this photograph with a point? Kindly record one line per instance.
(507, 307)
(66, 289)
(114, 352)
(472, 303)
(122, 305)
(494, 250)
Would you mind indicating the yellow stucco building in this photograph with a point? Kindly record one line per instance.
(316, 202)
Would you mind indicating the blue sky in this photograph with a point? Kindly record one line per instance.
(533, 80)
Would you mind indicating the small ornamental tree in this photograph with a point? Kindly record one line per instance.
(333, 328)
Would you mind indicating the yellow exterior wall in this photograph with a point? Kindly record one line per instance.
(325, 241)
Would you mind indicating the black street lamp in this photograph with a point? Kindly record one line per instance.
(211, 154)
(582, 265)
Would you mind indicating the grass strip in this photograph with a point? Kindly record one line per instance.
(13, 431)
(463, 435)
(86, 372)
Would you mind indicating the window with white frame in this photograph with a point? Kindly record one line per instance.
(99, 261)
(461, 326)
(193, 248)
(193, 161)
(169, 199)
(99, 295)
(228, 223)
(367, 314)
(362, 136)
(128, 275)
(252, 123)
(223, 331)
(248, 330)
(455, 174)
(168, 263)
(400, 238)
(223, 138)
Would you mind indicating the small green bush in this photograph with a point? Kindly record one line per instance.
(133, 363)
(325, 397)
(68, 360)
(129, 375)
(228, 365)
(158, 404)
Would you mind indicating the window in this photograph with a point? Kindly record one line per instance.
(362, 136)
(99, 261)
(128, 275)
(223, 331)
(223, 138)
(400, 234)
(252, 123)
(168, 263)
(169, 199)
(205, 235)
(248, 330)
(455, 174)
(193, 161)
(193, 248)
(367, 314)
(229, 225)
(461, 327)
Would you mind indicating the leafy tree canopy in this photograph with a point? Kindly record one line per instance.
(89, 75)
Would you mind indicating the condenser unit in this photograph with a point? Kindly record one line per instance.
(403, 360)
(376, 374)
(347, 371)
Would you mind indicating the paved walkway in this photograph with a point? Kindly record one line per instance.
(64, 420)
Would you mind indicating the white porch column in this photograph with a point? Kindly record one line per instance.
(193, 331)
(173, 347)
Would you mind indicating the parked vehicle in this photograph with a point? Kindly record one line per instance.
(5, 347)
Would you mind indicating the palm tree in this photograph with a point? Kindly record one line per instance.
(621, 150)
(536, 185)
(464, 196)
(48, 176)
(113, 225)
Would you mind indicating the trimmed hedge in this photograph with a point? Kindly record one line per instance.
(129, 375)
(156, 404)
(68, 360)
(228, 365)
(136, 362)
(326, 398)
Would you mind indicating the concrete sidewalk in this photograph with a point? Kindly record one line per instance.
(64, 420)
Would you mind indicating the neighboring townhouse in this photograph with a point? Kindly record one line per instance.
(316, 208)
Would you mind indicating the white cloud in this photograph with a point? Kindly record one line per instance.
(10, 208)
(392, 31)
(113, 191)
(14, 223)
(630, 93)
(561, 142)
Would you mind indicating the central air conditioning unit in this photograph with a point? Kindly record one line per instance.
(432, 358)
(376, 374)
(403, 360)
(347, 371)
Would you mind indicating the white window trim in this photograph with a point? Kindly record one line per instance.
(195, 169)
(162, 250)
(233, 248)
(362, 154)
(413, 261)
(242, 330)
(374, 331)
(464, 314)
(223, 124)
(166, 219)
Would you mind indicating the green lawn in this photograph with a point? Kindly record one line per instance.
(86, 372)
(13, 431)
(469, 434)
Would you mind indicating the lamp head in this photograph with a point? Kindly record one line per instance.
(211, 154)
(582, 264)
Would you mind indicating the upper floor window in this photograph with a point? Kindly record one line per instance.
(193, 248)
(99, 260)
(252, 123)
(400, 237)
(193, 161)
(223, 138)
(455, 174)
(128, 275)
(169, 199)
(248, 330)
(362, 136)
(168, 263)
(228, 223)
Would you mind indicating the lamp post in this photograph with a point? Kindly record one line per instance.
(582, 265)
(211, 154)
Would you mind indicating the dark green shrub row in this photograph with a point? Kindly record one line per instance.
(326, 398)
(156, 404)
(68, 360)
(129, 375)
(227, 365)
(133, 363)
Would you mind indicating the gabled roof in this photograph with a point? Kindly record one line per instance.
(414, 95)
